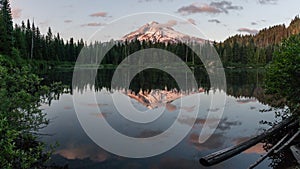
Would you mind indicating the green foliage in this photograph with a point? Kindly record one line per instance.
(21, 94)
(283, 74)
(20, 116)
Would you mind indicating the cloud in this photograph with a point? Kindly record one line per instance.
(192, 21)
(99, 14)
(198, 9)
(265, 2)
(247, 30)
(140, 1)
(257, 149)
(173, 163)
(212, 8)
(225, 6)
(214, 20)
(215, 141)
(16, 13)
(44, 24)
(93, 24)
(68, 21)
(148, 133)
(170, 23)
(188, 21)
(82, 152)
(254, 23)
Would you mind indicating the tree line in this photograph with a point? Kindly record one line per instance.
(26, 41)
(33, 45)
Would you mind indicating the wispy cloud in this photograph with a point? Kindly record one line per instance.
(264, 2)
(225, 6)
(16, 13)
(212, 8)
(192, 21)
(198, 9)
(214, 20)
(154, 0)
(93, 24)
(247, 30)
(254, 23)
(68, 21)
(170, 23)
(44, 24)
(99, 14)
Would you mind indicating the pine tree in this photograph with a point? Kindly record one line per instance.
(6, 28)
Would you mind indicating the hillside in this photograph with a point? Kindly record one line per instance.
(256, 49)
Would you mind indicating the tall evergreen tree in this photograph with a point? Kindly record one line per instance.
(6, 28)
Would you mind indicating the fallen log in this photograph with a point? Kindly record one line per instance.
(227, 153)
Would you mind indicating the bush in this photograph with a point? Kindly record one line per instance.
(283, 74)
(20, 116)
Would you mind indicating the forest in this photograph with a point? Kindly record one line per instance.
(256, 49)
(27, 42)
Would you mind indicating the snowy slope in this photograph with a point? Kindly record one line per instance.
(156, 32)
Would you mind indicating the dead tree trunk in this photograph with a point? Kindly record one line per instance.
(227, 153)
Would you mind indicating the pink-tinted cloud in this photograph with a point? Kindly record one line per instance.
(170, 23)
(99, 14)
(82, 152)
(247, 30)
(215, 141)
(212, 8)
(93, 24)
(264, 2)
(257, 149)
(16, 13)
(198, 9)
(192, 21)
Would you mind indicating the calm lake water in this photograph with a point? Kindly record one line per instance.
(241, 120)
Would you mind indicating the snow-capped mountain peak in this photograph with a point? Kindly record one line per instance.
(156, 32)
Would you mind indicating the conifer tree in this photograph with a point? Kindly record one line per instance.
(6, 28)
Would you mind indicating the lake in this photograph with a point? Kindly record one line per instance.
(241, 120)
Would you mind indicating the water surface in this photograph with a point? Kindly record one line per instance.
(241, 120)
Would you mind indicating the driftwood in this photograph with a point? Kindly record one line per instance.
(296, 152)
(288, 142)
(227, 153)
(269, 152)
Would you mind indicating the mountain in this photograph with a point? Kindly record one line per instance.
(157, 32)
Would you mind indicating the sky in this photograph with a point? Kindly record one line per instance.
(215, 19)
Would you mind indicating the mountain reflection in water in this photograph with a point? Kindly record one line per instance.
(241, 120)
